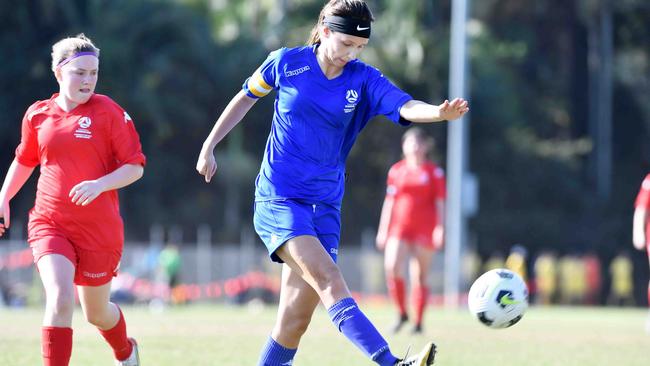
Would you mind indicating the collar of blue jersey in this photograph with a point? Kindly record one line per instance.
(347, 25)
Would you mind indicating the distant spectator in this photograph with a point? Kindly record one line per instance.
(572, 280)
(622, 286)
(594, 278)
(545, 272)
(516, 261)
(494, 261)
(169, 263)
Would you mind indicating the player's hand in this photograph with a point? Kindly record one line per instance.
(638, 239)
(206, 165)
(85, 192)
(4, 217)
(380, 241)
(438, 237)
(454, 109)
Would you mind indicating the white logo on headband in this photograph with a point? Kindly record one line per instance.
(362, 29)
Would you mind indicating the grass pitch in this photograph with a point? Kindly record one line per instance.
(227, 335)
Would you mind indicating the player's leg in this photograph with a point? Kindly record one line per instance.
(419, 270)
(307, 257)
(57, 274)
(395, 255)
(108, 319)
(297, 303)
(95, 271)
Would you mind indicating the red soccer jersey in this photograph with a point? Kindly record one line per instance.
(92, 140)
(415, 192)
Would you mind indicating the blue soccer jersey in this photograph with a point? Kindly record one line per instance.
(316, 122)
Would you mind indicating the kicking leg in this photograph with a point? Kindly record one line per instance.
(307, 258)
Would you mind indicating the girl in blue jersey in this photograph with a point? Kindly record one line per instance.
(325, 96)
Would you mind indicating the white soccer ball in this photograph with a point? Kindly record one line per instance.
(498, 298)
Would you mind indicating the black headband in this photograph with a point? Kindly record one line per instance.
(351, 26)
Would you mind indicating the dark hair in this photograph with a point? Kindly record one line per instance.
(343, 8)
(419, 134)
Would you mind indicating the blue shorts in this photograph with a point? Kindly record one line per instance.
(281, 220)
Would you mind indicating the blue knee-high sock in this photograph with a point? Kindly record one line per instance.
(350, 321)
(274, 354)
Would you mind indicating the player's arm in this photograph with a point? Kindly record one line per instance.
(420, 112)
(86, 191)
(439, 229)
(638, 227)
(384, 222)
(230, 117)
(16, 177)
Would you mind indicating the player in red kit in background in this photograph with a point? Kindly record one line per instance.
(87, 147)
(641, 227)
(412, 223)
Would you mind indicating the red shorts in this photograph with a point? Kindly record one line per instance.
(412, 234)
(92, 267)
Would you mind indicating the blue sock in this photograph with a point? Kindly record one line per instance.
(350, 321)
(274, 354)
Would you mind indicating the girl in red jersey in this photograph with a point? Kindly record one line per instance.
(411, 223)
(641, 226)
(87, 148)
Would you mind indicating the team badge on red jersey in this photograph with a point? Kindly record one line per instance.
(83, 132)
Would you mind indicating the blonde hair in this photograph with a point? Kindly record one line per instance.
(69, 46)
(342, 8)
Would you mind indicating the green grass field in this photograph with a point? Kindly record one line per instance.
(226, 335)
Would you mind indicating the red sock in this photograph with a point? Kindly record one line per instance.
(56, 346)
(397, 292)
(419, 295)
(116, 338)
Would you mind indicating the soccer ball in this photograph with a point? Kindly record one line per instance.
(498, 298)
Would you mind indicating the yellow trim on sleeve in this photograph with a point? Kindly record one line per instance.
(261, 82)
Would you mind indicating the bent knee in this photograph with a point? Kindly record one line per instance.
(328, 276)
(294, 327)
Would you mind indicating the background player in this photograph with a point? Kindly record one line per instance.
(325, 96)
(412, 223)
(87, 147)
(641, 226)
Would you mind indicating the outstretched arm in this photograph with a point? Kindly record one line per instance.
(16, 177)
(231, 116)
(420, 112)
